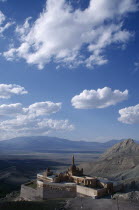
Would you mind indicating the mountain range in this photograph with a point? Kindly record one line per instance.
(53, 144)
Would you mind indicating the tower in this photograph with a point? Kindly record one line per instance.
(73, 161)
(73, 170)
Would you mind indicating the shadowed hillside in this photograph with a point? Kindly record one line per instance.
(14, 172)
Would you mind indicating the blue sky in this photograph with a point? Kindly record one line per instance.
(69, 69)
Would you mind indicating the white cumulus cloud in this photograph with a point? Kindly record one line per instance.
(99, 98)
(32, 111)
(42, 108)
(61, 32)
(129, 115)
(56, 124)
(10, 109)
(24, 126)
(31, 120)
(8, 90)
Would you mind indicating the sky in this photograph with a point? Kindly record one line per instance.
(70, 69)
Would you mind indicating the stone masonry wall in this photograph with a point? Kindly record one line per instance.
(28, 193)
(55, 190)
(91, 192)
(50, 190)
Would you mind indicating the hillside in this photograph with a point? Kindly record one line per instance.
(124, 148)
(121, 162)
(51, 144)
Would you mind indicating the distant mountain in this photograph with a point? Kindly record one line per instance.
(49, 144)
(121, 162)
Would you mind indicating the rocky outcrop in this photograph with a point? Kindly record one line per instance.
(132, 196)
(13, 196)
(120, 162)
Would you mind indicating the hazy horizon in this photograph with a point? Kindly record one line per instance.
(84, 140)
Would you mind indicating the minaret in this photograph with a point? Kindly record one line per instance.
(73, 160)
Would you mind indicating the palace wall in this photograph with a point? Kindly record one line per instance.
(49, 190)
(57, 190)
(28, 193)
(90, 191)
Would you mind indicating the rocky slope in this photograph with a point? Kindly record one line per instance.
(124, 148)
(121, 162)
